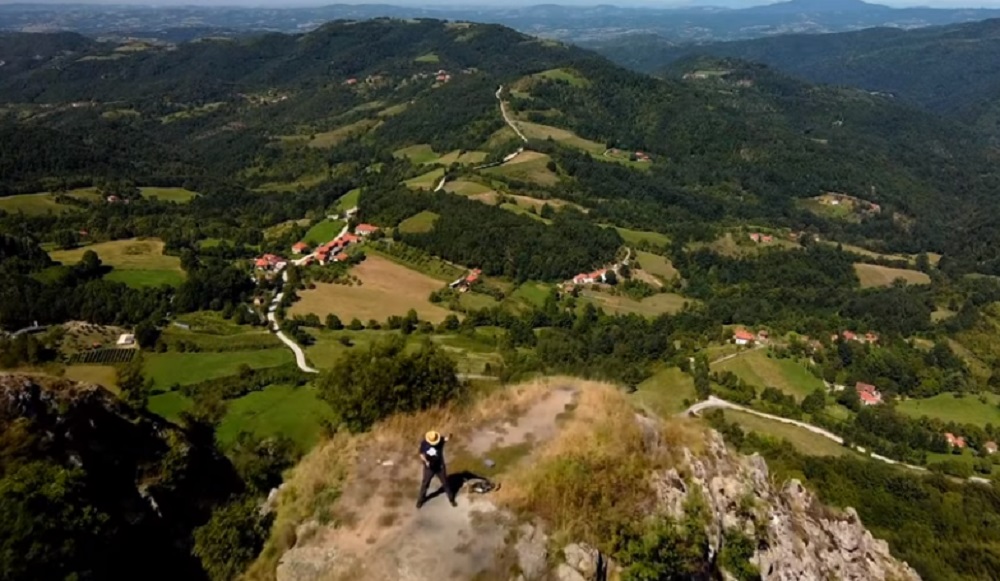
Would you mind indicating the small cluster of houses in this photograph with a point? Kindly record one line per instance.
(270, 263)
(640, 156)
(442, 76)
(742, 336)
(761, 238)
(956, 441)
(369, 80)
(591, 277)
(849, 335)
(465, 283)
(832, 199)
(334, 250)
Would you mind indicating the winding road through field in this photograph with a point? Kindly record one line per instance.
(714, 402)
(300, 356)
(506, 116)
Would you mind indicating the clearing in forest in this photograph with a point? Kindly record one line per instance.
(872, 275)
(427, 181)
(570, 76)
(804, 441)
(530, 166)
(466, 188)
(333, 137)
(952, 407)
(178, 195)
(45, 202)
(564, 136)
(419, 223)
(323, 231)
(759, 370)
(386, 289)
(136, 261)
(656, 265)
(658, 304)
(167, 369)
(277, 410)
(643, 236)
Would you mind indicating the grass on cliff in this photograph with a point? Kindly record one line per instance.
(591, 483)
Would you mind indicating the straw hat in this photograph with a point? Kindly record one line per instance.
(432, 438)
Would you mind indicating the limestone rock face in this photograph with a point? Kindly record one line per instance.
(803, 539)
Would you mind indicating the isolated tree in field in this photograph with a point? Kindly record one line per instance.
(368, 385)
(333, 322)
(356, 325)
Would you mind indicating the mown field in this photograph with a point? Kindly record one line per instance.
(279, 410)
(178, 195)
(422, 222)
(386, 289)
(167, 369)
(105, 375)
(136, 261)
(872, 275)
(761, 371)
(656, 265)
(330, 138)
(323, 232)
(466, 188)
(640, 236)
(427, 181)
(665, 392)
(657, 304)
(804, 441)
(45, 202)
(530, 166)
(950, 407)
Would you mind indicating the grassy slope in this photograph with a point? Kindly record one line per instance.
(422, 222)
(757, 369)
(323, 231)
(664, 393)
(167, 369)
(947, 407)
(872, 275)
(278, 410)
(803, 440)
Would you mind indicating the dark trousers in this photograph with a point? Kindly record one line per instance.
(442, 474)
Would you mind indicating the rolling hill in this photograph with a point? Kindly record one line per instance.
(732, 141)
(948, 69)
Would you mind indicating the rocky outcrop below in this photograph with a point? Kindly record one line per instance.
(752, 524)
(140, 483)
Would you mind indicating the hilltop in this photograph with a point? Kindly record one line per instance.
(589, 489)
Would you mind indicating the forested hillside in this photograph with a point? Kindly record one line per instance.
(949, 69)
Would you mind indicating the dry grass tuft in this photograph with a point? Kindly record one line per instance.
(311, 490)
(591, 482)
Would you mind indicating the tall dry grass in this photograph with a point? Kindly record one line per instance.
(592, 482)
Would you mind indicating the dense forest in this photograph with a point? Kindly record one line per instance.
(956, 77)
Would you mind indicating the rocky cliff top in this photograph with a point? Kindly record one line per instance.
(373, 531)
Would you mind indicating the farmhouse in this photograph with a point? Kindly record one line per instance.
(126, 340)
(763, 336)
(271, 262)
(990, 447)
(300, 247)
(591, 277)
(365, 229)
(868, 393)
(642, 156)
(743, 337)
(954, 441)
(760, 238)
(849, 335)
(342, 257)
(464, 283)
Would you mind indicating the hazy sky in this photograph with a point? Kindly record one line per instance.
(498, 3)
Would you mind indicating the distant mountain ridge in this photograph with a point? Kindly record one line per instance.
(951, 70)
(564, 22)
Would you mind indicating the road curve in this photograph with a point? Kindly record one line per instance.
(716, 402)
(506, 117)
(300, 356)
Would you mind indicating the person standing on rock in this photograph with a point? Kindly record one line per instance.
(432, 455)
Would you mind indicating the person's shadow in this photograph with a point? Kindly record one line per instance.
(456, 481)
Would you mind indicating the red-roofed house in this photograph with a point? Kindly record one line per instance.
(342, 257)
(849, 336)
(755, 236)
(590, 277)
(766, 238)
(871, 337)
(990, 447)
(743, 337)
(270, 262)
(473, 276)
(346, 239)
(351, 81)
(300, 247)
(868, 393)
(365, 229)
(954, 441)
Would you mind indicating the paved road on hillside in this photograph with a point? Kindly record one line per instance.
(506, 117)
(716, 402)
(300, 356)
